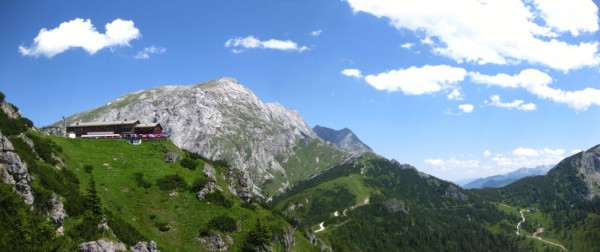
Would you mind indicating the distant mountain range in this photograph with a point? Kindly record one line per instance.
(344, 139)
(498, 181)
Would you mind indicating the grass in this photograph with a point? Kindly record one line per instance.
(114, 164)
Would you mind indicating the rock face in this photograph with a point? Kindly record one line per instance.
(210, 187)
(344, 139)
(102, 246)
(219, 119)
(453, 192)
(10, 111)
(145, 247)
(214, 242)
(589, 170)
(58, 213)
(14, 172)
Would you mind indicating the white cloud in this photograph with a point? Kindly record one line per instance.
(572, 16)
(352, 73)
(417, 81)
(452, 164)
(407, 45)
(316, 33)
(575, 151)
(81, 33)
(483, 33)
(525, 152)
(487, 153)
(145, 54)
(466, 108)
(455, 94)
(537, 82)
(518, 104)
(250, 42)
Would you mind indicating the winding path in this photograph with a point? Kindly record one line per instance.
(321, 227)
(534, 236)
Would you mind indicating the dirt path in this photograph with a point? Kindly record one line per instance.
(321, 227)
(535, 235)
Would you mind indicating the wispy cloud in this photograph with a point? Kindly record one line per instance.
(466, 108)
(352, 73)
(538, 83)
(418, 80)
(145, 54)
(251, 42)
(80, 33)
(316, 33)
(518, 104)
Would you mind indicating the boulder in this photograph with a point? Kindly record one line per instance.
(145, 247)
(102, 246)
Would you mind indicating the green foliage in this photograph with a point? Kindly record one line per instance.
(88, 168)
(10, 126)
(223, 222)
(162, 226)
(189, 163)
(219, 199)
(140, 181)
(2, 97)
(199, 183)
(44, 147)
(92, 202)
(258, 237)
(22, 230)
(87, 229)
(171, 182)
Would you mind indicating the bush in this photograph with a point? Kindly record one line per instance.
(189, 163)
(88, 168)
(140, 181)
(199, 184)
(223, 223)
(125, 231)
(11, 127)
(44, 148)
(2, 97)
(162, 226)
(219, 199)
(258, 237)
(171, 182)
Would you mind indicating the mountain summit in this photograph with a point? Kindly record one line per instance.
(344, 139)
(222, 119)
(501, 180)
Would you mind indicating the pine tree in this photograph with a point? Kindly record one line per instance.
(92, 201)
(258, 237)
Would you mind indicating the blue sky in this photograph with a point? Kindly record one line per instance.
(458, 89)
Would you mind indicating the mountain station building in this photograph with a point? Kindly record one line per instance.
(116, 129)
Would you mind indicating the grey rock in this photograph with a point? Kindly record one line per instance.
(394, 205)
(288, 239)
(311, 237)
(172, 157)
(9, 110)
(103, 224)
(238, 184)
(58, 214)
(210, 187)
(210, 171)
(145, 247)
(102, 246)
(589, 170)
(15, 172)
(455, 193)
(214, 242)
(344, 139)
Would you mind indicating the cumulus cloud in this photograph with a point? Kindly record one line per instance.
(572, 16)
(487, 153)
(81, 33)
(538, 83)
(529, 157)
(466, 108)
(145, 54)
(481, 32)
(407, 45)
(316, 33)
(518, 104)
(251, 42)
(417, 81)
(456, 94)
(525, 152)
(575, 151)
(352, 73)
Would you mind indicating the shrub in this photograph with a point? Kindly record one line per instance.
(2, 97)
(171, 182)
(162, 226)
(125, 231)
(223, 223)
(140, 181)
(219, 199)
(199, 184)
(189, 163)
(88, 168)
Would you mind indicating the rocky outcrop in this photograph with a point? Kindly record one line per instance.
(145, 247)
(344, 139)
(210, 171)
(58, 213)
(589, 171)
(238, 183)
(287, 238)
(103, 224)
(220, 120)
(455, 193)
(14, 172)
(10, 110)
(214, 242)
(394, 205)
(210, 187)
(172, 156)
(102, 246)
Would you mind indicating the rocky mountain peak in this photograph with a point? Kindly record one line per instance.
(344, 139)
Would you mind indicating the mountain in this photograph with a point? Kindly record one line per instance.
(505, 179)
(344, 139)
(222, 119)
